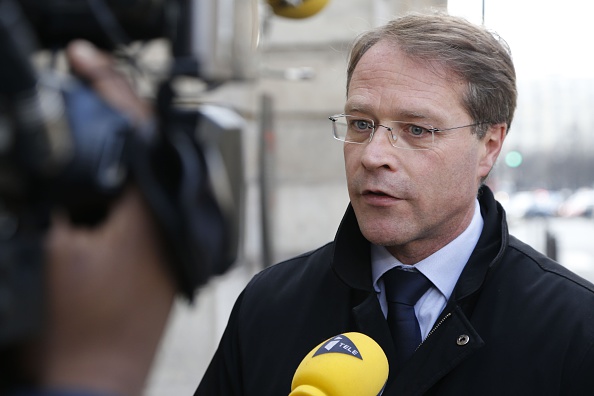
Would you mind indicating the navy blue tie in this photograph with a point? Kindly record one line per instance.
(403, 290)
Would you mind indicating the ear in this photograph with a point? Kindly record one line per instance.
(491, 145)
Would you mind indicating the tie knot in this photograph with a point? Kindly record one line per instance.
(405, 287)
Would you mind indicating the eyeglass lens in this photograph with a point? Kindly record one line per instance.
(401, 134)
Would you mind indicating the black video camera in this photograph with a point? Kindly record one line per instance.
(62, 146)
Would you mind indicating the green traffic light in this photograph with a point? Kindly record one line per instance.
(513, 159)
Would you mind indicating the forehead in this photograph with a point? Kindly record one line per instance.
(387, 82)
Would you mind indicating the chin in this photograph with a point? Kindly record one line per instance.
(384, 236)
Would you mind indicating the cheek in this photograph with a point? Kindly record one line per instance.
(460, 175)
(351, 159)
(454, 172)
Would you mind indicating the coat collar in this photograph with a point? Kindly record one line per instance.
(352, 254)
(352, 258)
(489, 248)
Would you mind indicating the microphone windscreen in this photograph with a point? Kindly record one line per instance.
(297, 9)
(350, 364)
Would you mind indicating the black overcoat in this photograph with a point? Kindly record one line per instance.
(528, 321)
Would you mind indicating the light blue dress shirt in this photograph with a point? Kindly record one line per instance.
(442, 268)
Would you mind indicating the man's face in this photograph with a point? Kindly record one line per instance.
(413, 202)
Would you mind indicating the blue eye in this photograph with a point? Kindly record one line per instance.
(361, 125)
(416, 130)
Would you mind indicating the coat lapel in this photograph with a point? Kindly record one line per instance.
(451, 342)
(370, 320)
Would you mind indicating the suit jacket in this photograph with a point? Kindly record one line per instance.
(517, 322)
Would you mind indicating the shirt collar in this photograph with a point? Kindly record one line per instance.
(442, 268)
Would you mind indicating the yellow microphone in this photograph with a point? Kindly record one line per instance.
(350, 364)
(297, 9)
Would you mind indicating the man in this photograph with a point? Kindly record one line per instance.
(430, 99)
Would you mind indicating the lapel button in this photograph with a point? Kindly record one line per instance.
(463, 340)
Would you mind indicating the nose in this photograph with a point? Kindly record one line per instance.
(379, 152)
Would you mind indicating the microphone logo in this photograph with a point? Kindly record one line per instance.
(336, 367)
(339, 344)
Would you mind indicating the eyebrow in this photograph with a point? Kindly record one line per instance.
(357, 107)
(415, 116)
(406, 115)
(412, 114)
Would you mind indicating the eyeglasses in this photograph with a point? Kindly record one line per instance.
(405, 135)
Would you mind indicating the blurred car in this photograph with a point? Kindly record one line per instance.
(580, 203)
(536, 203)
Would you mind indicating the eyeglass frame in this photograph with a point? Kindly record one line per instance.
(373, 127)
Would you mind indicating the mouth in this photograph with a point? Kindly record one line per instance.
(379, 198)
(377, 193)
